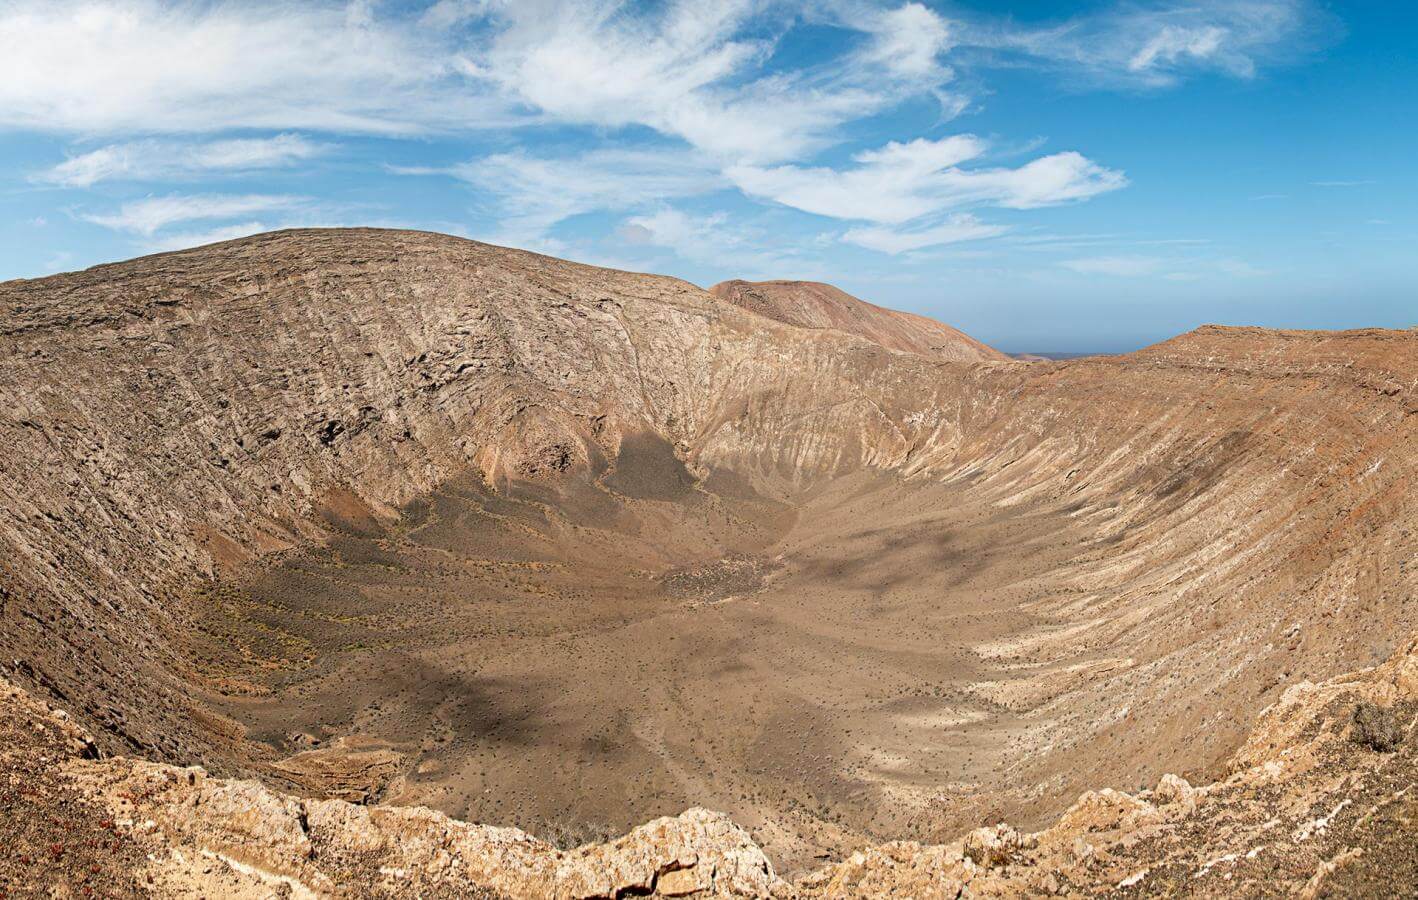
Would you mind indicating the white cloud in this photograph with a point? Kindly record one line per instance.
(893, 184)
(914, 191)
(186, 239)
(716, 240)
(1117, 266)
(590, 64)
(533, 193)
(908, 41)
(154, 160)
(687, 70)
(695, 85)
(1174, 42)
(147, 216)
(1157, 45)
(1341, 184)
(691, 237)
(148, 66)
(957, 228)
(1050, 180)
(393, 169)
(1172, 269)
(692, 70)
(253, 153)
(922, 155)
(902, 182)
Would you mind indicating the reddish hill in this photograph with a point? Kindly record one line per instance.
(810, 304)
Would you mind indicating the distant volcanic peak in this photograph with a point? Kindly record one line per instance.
(811, 304)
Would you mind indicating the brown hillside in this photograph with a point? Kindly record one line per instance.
(404, 529)
(809, 304)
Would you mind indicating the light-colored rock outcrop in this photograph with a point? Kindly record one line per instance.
(1305, 801)
(1307, 807)
(201, 834)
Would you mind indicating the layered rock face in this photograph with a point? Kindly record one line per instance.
(809, 304)
(875, 593)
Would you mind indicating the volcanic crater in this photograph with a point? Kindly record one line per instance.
(406, 520)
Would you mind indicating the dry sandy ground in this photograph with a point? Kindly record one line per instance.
(580, 662)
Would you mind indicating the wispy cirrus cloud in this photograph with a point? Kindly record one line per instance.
(690, 70)
(148, 216)
(1178, 268)
(532, 193)
(893, 184)
(1174, 44)
(1158, 45)
(159, 160)
(697, 71)
(122, 66)
(955, 229)
(594, 106)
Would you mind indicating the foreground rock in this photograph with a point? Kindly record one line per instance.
(1311, 809)
(174, 831)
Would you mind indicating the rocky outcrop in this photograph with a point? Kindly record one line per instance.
(1308, 809)
(198, 834)
(809, 304)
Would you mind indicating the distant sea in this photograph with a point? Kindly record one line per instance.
(1034, 354)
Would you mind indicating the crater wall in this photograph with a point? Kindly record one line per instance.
(1237, 503)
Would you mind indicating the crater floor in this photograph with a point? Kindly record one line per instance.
(827, 668)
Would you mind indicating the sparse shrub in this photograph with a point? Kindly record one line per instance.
(570, 834)
(995, 846)
(1376, 727)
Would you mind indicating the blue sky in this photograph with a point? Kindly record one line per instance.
(1047, 176)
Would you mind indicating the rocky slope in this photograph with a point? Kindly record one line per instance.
(872, 594)
(1320, 801)
(809, 304)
